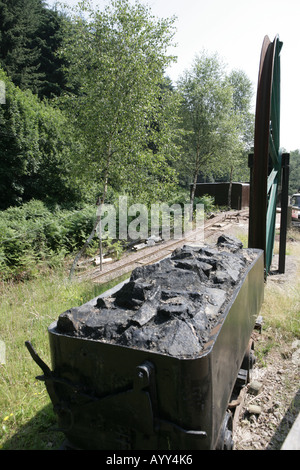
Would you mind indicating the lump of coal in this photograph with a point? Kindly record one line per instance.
(132, 294)
(169, 307)
(231, 242)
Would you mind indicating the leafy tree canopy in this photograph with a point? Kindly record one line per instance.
(294, 181)
(116, 59)
(36, 146)
(216, 117)
(30, 35)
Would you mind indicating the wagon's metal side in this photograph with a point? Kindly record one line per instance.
(233, 338)
(113, 397)
(131, 399)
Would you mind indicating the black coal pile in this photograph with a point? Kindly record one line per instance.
(169, 307)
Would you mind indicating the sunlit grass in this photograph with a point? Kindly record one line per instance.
(281, 308)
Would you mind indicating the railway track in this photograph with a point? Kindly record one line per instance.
(152, 254)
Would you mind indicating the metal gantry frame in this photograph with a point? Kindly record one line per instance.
(269, 167)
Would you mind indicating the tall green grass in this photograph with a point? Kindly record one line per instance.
(26, 310)
(282, 300)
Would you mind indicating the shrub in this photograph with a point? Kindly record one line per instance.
(37, 148)
(32, 234)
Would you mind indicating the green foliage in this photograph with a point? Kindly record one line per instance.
(207, 101)
(216, 117)
(241, 128)
(183, 197)
(32, 235)
(117, 130)
(36, 149)
(30, 35)
(19, 55)
(294, 181)
(116, 62)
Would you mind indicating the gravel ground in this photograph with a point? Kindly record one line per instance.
(268, 414)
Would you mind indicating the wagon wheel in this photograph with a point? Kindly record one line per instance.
(225, 441)
(266, 165)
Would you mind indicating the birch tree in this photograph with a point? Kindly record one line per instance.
(237, 155)
(207, 104)
(117, 58)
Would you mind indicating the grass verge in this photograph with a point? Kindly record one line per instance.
(26, 310)
(281, 306)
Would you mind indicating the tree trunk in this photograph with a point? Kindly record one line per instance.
(100, 245)
(86, 244)
(193, 194)
(230, 188)
(92, 234)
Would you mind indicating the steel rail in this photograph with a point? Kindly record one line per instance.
(152, 254)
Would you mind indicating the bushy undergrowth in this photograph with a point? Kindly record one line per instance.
(33, 234)
(182, 197)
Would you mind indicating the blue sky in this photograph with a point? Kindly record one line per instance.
(236, 29)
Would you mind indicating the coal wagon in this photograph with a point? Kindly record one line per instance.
(153, 363)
